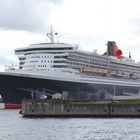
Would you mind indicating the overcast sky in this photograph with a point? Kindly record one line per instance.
(89, 23)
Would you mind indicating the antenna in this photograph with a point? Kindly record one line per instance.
(51, 35)
(129, 54)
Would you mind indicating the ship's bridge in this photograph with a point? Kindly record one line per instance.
(44, 56)
(46, 47)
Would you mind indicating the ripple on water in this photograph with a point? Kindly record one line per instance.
(14, 127)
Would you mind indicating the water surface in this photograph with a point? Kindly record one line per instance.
(14, 127)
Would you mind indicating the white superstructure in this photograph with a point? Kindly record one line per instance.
(61, 58)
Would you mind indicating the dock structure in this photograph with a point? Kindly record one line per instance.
(60, 108)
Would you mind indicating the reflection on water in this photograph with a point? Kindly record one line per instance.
(14, 127)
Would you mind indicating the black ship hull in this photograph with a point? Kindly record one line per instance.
(15, 88)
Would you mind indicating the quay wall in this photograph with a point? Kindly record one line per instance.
(59, 108)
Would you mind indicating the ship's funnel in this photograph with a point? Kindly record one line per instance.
(118, 54)
(111, 48)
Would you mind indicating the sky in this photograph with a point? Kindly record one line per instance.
(89, 23)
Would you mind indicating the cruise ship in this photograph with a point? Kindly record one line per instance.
(65, 68)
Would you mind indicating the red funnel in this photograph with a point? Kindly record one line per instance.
(118, 54)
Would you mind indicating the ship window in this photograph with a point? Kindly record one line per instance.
(59, 61)
(21, 58)
(59, 66)
(22, 63)
(60, 57)
(36, 49)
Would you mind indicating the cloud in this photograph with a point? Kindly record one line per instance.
(90, 23)
(97, 21)
(29, 15)
(11, 39)
(55, 1)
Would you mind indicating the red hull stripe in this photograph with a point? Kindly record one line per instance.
(12, 106)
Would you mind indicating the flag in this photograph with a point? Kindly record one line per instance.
(40, 95)
(43, 96)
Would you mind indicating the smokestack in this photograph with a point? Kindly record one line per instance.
(111, 48)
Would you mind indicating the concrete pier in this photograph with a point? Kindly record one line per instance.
(59, 108)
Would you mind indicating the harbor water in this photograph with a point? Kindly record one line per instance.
(15, 127)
